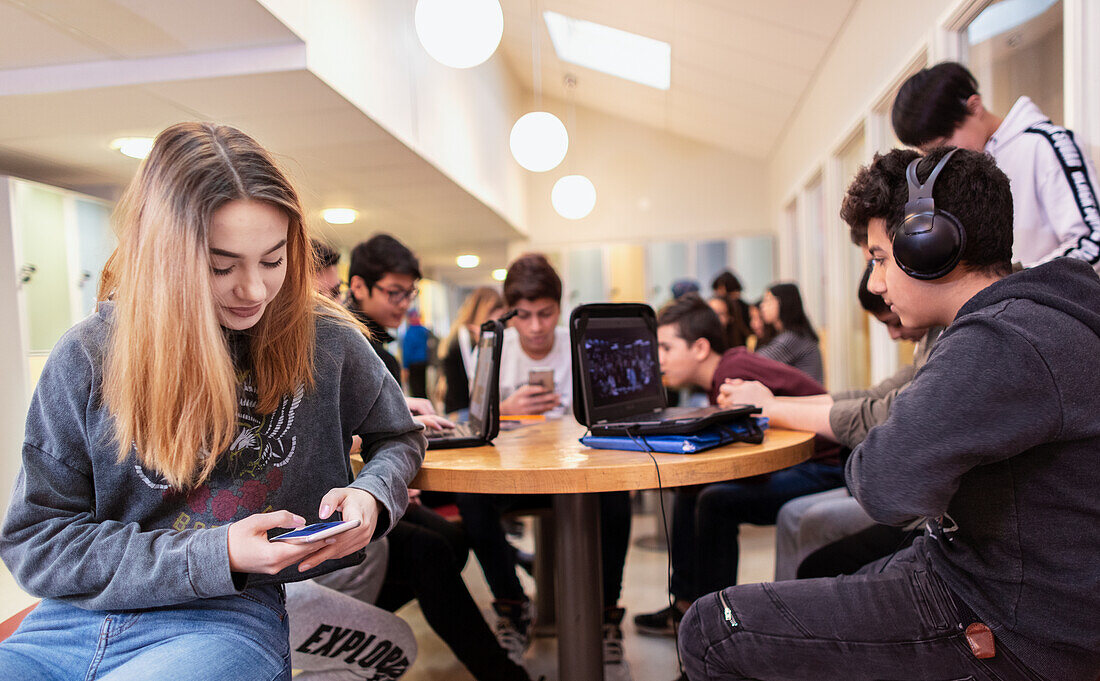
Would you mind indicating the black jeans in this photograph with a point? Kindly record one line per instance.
(481, 514)
(902, 624)
(427, 553)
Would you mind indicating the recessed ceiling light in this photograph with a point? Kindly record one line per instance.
(134, 147)
(339, 216)
(610, 50)
(500, 274)
(467, 261)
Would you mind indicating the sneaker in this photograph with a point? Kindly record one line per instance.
(513, 627)
(615, 666)
(660, 623)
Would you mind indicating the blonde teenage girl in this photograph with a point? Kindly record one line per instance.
(210, 399)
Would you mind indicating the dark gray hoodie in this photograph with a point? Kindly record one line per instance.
(1000, 432)
(106, 535)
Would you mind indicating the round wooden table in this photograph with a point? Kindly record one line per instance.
(548, 458)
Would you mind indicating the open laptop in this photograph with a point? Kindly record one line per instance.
(484, 422)
(617, 374)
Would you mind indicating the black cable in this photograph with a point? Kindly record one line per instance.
(668, 538)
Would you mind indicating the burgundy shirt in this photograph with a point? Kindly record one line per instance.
(783, 380)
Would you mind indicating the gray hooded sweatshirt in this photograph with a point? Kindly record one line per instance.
(105, 535)
(999, 435)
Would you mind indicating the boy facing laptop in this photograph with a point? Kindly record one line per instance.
(994, 444)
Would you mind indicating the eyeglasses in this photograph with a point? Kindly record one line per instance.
(396, 296)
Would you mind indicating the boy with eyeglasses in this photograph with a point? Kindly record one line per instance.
(381, 286)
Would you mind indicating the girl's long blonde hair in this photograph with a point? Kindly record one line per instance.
(169, 380)
(474, 310)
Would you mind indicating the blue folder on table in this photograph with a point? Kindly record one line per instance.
(750, 430)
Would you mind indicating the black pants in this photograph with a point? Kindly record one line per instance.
(418, 380)
(848, 555)
(481, 517)
(427, 554)
(902, 624)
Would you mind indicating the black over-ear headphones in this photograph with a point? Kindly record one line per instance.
(930, 241)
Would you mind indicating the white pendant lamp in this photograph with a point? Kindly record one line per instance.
(539, 141)
(573, 197)
(459, 33)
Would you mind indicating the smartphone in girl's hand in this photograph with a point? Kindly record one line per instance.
(317, 531)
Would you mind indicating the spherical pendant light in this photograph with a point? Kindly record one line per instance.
(539, 141)
(459, 33)
(573, 196)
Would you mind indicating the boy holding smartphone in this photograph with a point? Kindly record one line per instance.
(535, 351)
(534, 344)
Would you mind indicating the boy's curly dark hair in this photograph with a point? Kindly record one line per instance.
(971, 187)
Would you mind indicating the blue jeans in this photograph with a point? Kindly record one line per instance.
(706, 522)
(242, 637)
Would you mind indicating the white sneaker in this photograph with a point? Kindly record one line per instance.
(513, 627)
(615, 666)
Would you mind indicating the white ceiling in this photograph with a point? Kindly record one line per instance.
(337, 155)
(739, 68)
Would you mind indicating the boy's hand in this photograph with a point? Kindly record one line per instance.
(434, 422)
(736, 391)
(530, 399)
(420, 406)
(353, 504)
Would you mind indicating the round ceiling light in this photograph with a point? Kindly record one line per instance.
(500, 274)
(539, 141)
(467, 261)
(339, 216)
(459, 33)
(134, 147)
(573, 196)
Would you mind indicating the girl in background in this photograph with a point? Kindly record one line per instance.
(795, 342)
(457, 351)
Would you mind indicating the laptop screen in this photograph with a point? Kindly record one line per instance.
(620, 367)
(483, 374)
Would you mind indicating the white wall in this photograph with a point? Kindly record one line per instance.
(457, 119)
(878, 39)
(14, 394)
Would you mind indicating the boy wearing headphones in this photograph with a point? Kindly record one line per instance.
(993, 446)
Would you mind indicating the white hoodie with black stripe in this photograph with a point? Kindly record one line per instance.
(1053, 188)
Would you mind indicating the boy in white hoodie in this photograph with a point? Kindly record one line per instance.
(1053, 183)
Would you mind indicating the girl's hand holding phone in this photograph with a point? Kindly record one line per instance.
(353, 504)
(250, 551)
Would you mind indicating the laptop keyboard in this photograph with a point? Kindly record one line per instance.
(461, 430)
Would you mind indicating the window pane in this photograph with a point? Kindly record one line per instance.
(1016, 50)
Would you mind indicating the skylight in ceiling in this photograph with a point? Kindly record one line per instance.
(609, 50)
